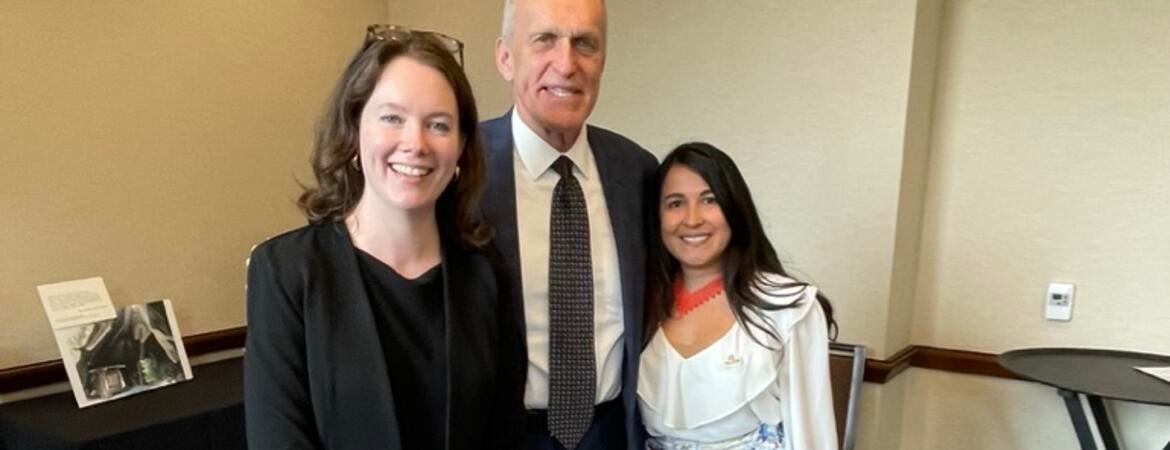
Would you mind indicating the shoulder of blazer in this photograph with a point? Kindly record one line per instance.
(603, 140)
(297, 253)
(497, 133)
(302, 241)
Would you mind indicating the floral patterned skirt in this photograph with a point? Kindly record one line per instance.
(766, 437)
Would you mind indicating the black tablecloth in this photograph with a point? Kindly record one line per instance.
(206, 412)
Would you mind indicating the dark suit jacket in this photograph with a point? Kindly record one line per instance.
(627, 176)
(314, 372)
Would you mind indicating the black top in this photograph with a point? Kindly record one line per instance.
(410, 321)
(1104, 373)
(314, 372)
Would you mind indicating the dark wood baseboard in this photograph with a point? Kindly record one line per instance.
(960, 361)
(49, 372)
(877, 371)
(881, 371)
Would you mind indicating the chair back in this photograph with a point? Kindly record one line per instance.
(846, 372)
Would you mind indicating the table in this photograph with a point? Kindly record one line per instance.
(1087, 376)
(206, 412)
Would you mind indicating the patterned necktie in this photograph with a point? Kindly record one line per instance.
(572, 370)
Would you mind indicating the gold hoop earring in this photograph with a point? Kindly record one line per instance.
(356, 164)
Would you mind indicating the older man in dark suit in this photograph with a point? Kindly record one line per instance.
(568, 203)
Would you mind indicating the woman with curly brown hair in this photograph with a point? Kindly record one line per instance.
(382, 323)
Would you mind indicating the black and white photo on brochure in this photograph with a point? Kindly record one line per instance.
(138, 350)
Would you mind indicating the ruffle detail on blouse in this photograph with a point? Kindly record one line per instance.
(734, 367)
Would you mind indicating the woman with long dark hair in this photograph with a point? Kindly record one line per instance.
(382, 323)
(736, 352)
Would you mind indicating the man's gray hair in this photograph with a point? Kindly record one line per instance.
(506, 22)
(509, 16)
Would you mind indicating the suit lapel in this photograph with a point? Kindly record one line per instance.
(500, 202)
(453, 293)
(624, 215)
(472, 356)
(362, 383)
(361, 393)
(622, 180)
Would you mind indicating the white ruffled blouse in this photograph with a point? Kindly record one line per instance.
(729, 388)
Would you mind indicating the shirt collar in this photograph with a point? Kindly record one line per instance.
(538, 156)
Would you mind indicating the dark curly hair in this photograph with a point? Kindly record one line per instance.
(339, 183)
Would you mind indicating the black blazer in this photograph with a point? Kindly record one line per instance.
(314, 371)
(627, 176)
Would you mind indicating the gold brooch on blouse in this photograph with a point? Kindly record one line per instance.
(731, 360)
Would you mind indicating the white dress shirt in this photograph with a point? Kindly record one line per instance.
(729, 388)
(535, 182)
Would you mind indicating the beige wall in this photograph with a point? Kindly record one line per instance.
(912, 180)
(477, 24)
(802, 95)
(930, 164)
(812, 101)
(880, 415)
(1049, 162)
(818, 105)
(810, 98)
(153, 144)
(963, 412)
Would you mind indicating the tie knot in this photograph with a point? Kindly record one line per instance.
(563, 166)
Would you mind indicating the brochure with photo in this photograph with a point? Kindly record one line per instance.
(137, 350)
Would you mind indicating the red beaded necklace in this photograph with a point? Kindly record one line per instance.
(685, 302)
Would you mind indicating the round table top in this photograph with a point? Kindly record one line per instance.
(1104, 373)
